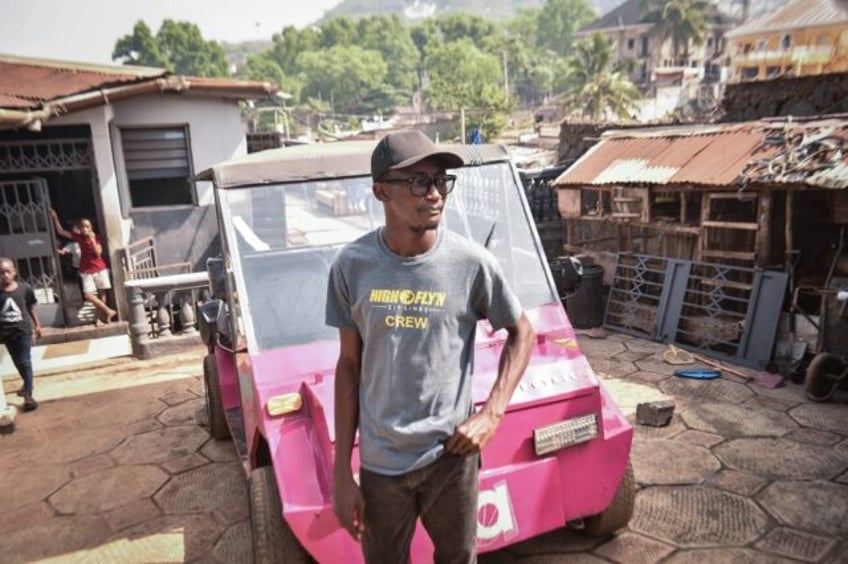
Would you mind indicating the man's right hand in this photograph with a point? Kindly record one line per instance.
(349, 506)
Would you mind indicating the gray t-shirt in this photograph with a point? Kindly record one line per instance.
(417, 318)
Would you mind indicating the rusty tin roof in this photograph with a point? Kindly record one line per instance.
(723, 155)
(27, 83)
(37, 89)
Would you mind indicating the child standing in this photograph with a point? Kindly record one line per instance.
(18, 324)
(92, 267)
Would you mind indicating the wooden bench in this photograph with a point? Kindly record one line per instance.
(139, 261)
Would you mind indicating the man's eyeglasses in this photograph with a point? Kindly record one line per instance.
(419, 185)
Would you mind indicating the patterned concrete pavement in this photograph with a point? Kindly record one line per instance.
(116, 466)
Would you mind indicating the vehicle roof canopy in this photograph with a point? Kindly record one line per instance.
(321, 160)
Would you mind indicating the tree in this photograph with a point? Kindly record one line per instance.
(682, 21)
(178, 47)
(457, 26)
(463, 76)
(338, 31)
(427, 36)
(558, 21)
(389, 36)
(289, 44)
(343, 75)
(140, 48)
(595, 86)
(184, 47)
(263, 68)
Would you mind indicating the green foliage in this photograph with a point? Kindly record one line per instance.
(183, 45)
(558, 21)
(289, 44)
(177, 46)
(595, 87)
(682, 21)
(263, 68)
(463, 76)
(525, 26)
(338, 31)
(427, 36)
(389, 36)
(140, 48)
(342, 74)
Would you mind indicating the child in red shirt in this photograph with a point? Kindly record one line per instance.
(92, 267)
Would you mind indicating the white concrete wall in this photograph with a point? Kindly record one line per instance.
(215, 127)
(182, 233)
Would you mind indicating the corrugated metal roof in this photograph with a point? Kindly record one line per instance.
(796, 14)
(33, 91)
(27, 83)
(718, 155)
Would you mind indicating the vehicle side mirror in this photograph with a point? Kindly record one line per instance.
(210, 313)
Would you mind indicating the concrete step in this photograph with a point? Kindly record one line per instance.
(60, 353)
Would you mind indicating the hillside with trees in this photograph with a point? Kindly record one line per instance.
(349, 69)
(416, 9)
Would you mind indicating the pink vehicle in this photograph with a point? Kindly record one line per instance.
(561, 455)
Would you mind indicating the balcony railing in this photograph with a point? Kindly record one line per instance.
(163, 307)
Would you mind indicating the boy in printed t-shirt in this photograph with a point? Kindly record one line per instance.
(18, 324)
(93, 270)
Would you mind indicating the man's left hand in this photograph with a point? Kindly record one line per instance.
(474, 434)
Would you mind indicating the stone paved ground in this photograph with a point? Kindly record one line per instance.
(117, 466)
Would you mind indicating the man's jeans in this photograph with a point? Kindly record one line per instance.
(20, 349)
(443, 494)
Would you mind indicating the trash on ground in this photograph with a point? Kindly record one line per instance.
(697, 373)
(675, 355)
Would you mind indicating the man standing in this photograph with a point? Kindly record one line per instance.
(406, 299)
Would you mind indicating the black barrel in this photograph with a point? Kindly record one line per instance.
(585, 307)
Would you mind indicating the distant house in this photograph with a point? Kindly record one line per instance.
(638, 40)
(116, 144)
(805, 37)
(693, 77)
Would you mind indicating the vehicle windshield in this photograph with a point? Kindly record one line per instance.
(281, 240)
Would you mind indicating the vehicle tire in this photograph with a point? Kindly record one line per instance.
(823, 376)
(273, 540)
(214, 404)
(619, 512)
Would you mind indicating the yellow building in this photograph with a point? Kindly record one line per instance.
(805, 37)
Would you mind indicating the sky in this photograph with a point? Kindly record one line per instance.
(87, 30)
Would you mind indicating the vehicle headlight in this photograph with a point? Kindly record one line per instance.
(565, 433)
(283, 404)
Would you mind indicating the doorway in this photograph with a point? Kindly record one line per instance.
(53, 168)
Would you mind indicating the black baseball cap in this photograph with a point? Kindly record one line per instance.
(405, 148)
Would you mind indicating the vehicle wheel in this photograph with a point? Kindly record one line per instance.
(214, 404)
(273, 541)
(823, 376)
(619, 512)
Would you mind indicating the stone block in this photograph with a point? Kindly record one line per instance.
(655, 413)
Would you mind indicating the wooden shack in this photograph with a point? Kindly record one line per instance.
(735, 199)
(766, 194)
